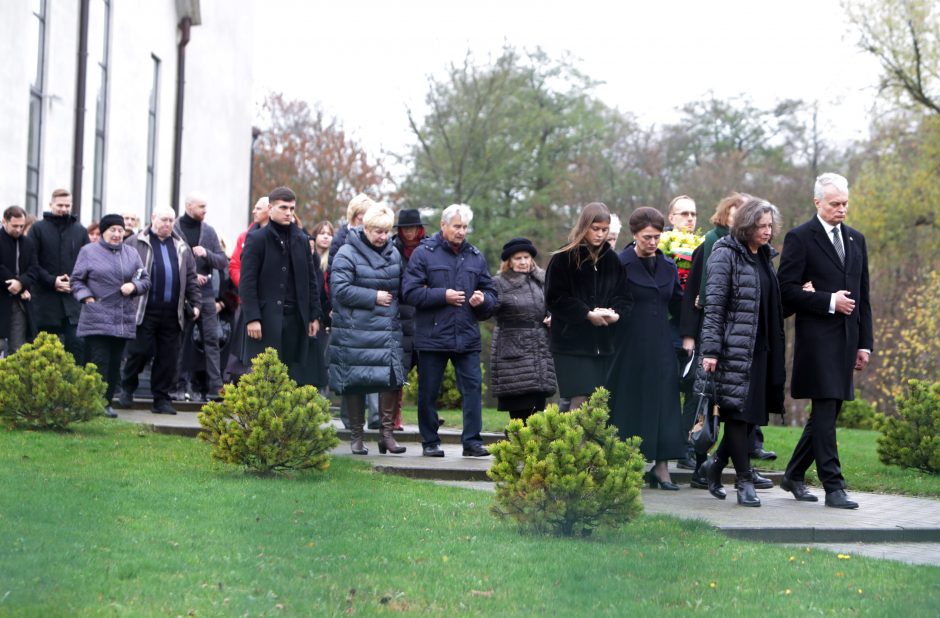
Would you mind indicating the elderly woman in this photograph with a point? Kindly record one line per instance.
(522, 374)
(644, 383)
(107, 276)
(365, 346)
(584, 291)
(742, 339)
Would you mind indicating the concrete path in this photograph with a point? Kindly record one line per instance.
(885, 526)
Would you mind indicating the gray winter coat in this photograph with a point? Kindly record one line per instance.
(365, 346)
(188, 288)
(520, 359)
(732, 311)
(100, 271)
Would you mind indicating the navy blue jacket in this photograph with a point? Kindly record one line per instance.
(432, 270)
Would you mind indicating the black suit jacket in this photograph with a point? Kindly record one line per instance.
(263, 285)
(826, 343)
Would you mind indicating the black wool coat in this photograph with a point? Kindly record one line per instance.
(57, 248)
(729, 329)
(571, 291)
(644, 381)
(263, 286)
(28, 271)
(520, 359)
(826, 343)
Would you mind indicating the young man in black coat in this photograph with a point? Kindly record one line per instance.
(58, 237)
(18, 268)
(833, 331)
(279, 287)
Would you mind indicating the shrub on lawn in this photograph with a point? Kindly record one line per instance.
(450, 398)
(269, 424)
(41, 387)
(912, 439)
(859, 414)
(567, 473)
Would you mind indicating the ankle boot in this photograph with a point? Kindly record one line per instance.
(746, 494)
(356, 408)
(387, 414)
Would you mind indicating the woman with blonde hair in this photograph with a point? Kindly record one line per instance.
(365, 345)
(585, 294)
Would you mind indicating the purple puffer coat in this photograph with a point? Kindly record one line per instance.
(100, 271)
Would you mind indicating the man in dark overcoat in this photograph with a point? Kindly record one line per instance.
(18, 268)
(59, 237)
(279, 285)
(833, 331)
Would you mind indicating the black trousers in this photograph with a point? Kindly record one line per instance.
(818, 443)
(157, 336)
(68, 334)
(105, 352)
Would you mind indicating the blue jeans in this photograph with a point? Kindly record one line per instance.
(431, 367)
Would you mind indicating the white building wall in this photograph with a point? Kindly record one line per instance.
(15, 76)
(217, 116)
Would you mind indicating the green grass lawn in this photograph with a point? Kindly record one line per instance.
(493, 420)
(114, 520)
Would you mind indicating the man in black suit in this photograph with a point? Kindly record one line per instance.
(279, 285)
(833, 331)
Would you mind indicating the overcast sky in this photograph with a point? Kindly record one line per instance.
(366, 61)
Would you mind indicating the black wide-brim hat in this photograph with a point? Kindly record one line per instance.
(409, 217)
(516, 245)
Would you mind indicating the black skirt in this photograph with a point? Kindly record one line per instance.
(580, 375)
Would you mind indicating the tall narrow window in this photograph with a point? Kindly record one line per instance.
(37, 47)
(152, 138)
(101, 109)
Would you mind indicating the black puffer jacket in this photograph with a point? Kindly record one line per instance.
(365, 347)
(520, 361)
(572, 291)
(732, 311)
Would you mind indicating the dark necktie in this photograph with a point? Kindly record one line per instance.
(837, 243)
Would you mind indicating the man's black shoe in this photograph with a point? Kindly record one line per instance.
(432, 451)
(686, 463)
(109, 412)
(838, 499)
(698, 480)
(760, 482)
(125, 401)
(475, 450)
(763, 455)
(798, 489)
(163, 407)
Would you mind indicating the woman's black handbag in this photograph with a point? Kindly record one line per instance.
(704, 432)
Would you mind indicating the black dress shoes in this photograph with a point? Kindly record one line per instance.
(433, 450)
(654, 482)
(838, 499)
(798, 489)
(124, 401)
(476, 450)
(698, 478)
(760, 482)
(109, 412)
(763, 455)
(163, 407)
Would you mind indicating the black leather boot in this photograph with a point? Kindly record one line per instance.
(747, 496)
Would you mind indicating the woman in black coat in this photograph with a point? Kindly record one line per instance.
(742, 339)
(644, 383)
(522, 374)
(584, 292)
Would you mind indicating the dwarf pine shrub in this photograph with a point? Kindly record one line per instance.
(912, 439)
(267, 423)
(450, 398)
(41, 387)
(567, 473)
(859, 414)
